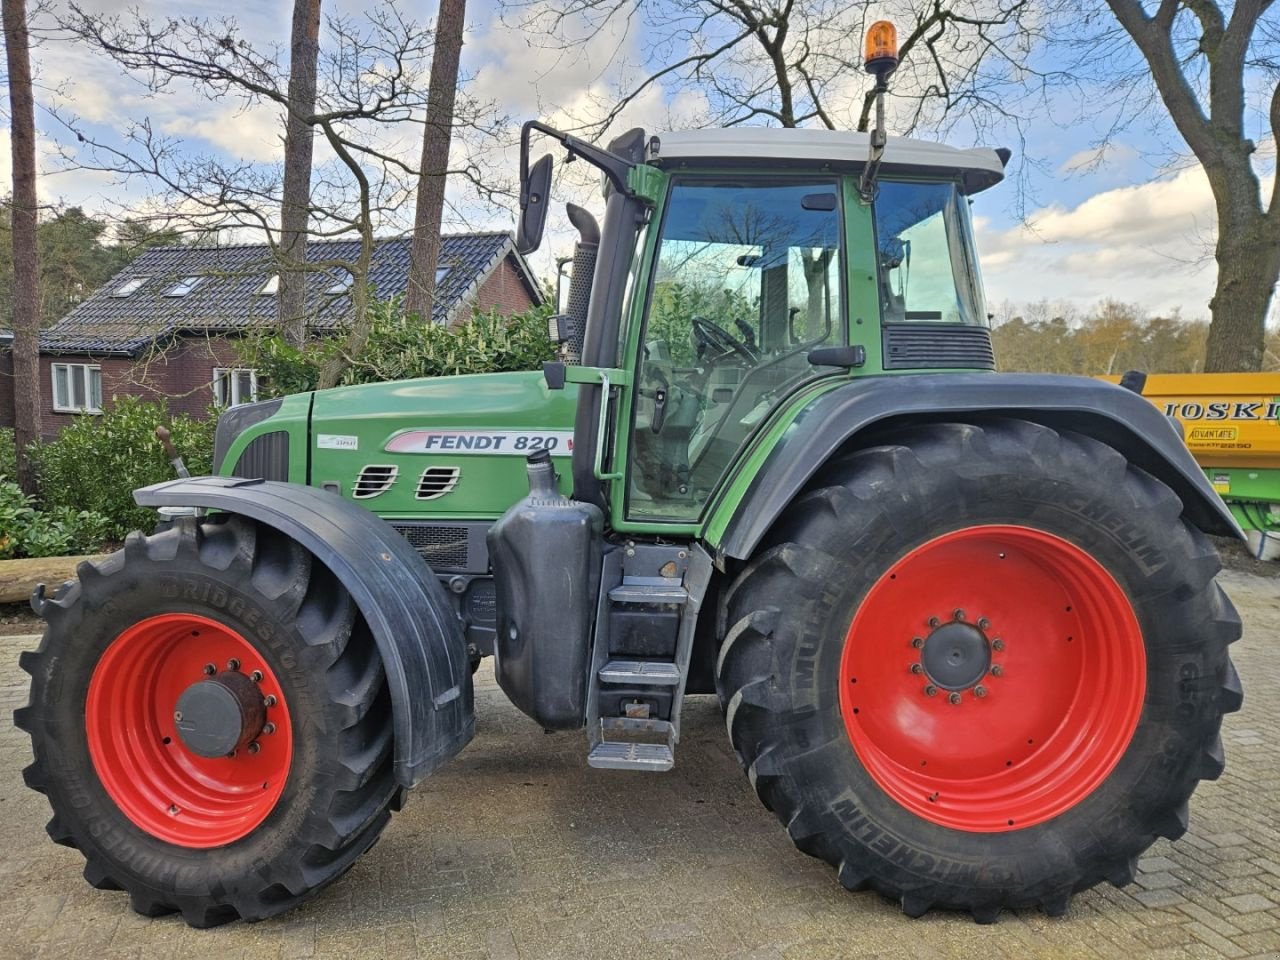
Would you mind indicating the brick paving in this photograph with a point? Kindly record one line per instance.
(517, 850)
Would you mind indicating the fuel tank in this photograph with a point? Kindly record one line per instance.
(545, 552)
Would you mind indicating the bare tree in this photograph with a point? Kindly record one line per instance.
(799, 62)
(369, 90)
(295, 206)
(26, 262)
(436, 139)
(1201, 60)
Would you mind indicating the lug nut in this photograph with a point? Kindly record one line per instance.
(233, 664)
(256, 676)
(254, 747)
(930, 690)
(271, 727)
(997, 670)
(210, 669)
(916, 668)
(954, 699)
(983, 623)
(958, 614)
(269, 700)
(917, 642)
(177, 716)
(997, 644)
(979, 691)
(173, 810)
(935, 622)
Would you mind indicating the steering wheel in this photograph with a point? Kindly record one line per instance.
(708, 333)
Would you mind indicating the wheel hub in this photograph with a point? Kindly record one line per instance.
(217, 716)
(956, 656)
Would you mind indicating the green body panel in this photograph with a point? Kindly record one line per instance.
(1253, 495)
(351, 428)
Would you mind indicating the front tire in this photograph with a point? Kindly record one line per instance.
(279, 777)
(980, 667)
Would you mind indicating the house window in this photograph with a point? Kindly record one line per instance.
(342, 284)
(233, 386)
(271, 287)
(77, 388)
(128, 287)
(441, 273)
(184, 286)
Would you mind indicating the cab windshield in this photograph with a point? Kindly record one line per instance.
(928, 271)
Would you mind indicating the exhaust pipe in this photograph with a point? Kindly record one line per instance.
(572, 324)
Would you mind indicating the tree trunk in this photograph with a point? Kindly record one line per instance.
(26, 264)
(295, 206)
(436, 136)
(1248, 263)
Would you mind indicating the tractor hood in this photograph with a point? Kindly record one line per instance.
(439, 447)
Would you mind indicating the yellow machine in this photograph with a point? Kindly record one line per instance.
(1232, 427)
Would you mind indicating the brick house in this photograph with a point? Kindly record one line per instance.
(165, 326)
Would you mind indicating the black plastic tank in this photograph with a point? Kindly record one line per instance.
(545, 552)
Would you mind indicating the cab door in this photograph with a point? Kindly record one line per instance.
(746, 280)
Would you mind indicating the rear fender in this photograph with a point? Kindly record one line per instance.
(418, 636)
(1108, 413)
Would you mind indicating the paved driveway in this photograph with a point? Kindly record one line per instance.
(519, 850)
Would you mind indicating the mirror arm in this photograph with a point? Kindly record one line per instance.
(614, 166)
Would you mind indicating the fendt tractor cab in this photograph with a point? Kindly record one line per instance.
(963, 625)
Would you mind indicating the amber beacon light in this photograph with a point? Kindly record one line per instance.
(881, 49)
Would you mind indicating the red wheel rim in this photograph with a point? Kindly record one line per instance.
(157, 782)
(1037, 730)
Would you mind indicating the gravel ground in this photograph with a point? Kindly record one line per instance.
(518, 850)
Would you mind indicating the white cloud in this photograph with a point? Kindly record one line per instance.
(1149, 243)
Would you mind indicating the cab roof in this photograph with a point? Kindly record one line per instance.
(978, 167)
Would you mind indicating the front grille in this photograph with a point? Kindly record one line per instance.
(265, 458)
(440, 546)
(374, 479)
(923, 346)
(436, 482)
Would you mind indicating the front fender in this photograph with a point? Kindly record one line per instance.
(418, 636)
(1108, 413)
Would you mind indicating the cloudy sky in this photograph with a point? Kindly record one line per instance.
(1132, 222)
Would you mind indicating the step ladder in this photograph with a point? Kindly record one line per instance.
(637, 738)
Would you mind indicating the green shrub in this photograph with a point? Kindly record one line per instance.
(27, 532)
(8, 455)
(96, 463)
(402, 347)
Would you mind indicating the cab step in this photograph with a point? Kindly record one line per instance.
(648, 593)
(653, 673)
(619, 755)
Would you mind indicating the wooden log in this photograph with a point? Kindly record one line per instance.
(19, 577)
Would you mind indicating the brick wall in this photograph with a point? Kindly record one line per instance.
(503, 289)
(180, 373)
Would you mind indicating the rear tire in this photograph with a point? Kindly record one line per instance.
(818, 625)
(181, 832)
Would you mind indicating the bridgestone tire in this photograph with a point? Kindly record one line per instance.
(338, 790)
(786, 616)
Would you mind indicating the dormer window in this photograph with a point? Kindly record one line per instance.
(129, 287)
(184, 286)
(342, 284)
(271, 287)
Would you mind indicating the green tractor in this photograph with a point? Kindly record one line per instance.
(963, 625)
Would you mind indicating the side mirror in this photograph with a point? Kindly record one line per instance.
(534, 193)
